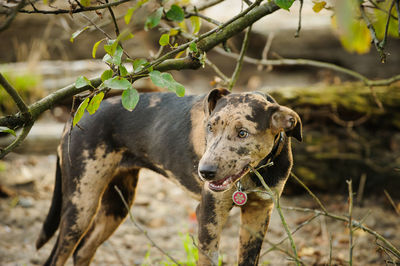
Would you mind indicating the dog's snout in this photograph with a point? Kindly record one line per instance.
(208, 171)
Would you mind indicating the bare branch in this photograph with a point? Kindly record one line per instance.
(18, 140)
(78, 10)
(350, 187)
(113, 19)
(375, 40)
(307, 62)
(297, 34)
(12, 16)
(239, 62)
(15, 96)
(275, 199)
(355, 223)
(383, 42)
(140, 227)
(391, 202)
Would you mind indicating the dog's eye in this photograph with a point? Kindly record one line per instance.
(209, 128)
(243, 134)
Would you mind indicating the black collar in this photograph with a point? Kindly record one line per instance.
(269, 159)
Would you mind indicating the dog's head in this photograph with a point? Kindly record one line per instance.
(241, 130)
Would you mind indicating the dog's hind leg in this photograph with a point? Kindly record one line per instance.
(254, 223)
(111, 214)
(84, 182)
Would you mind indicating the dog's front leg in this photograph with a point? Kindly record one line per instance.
(255, 217)
(212, 214)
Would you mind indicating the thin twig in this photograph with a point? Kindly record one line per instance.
(274, 245)
(113, 19)
(15, 96)
(218, 71)
(330, 251)
(208, 4)
(376, 6)
(275, 199)
(383, 42)
(361, 186)
(309, 192)
(196, 14)
(78, 10)
(314, 63)
(355, 223)
(284, 251)
(297, 34)
(391, 201)
(140, 227)
(12, 16)
(25, 131)
(397, 3)
(202, 251)
(239, 62)
(350, 187)
(267, 47)
(373, 34)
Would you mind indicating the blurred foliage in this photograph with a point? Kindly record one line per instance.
(27, 84)
(346, 135)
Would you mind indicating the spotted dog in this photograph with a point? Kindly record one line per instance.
(204, 144)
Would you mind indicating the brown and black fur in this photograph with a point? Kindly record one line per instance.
(193, 141)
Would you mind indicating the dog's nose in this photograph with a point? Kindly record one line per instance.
(208, 171)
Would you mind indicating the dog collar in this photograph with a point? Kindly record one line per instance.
(269, 160)
(239, 197)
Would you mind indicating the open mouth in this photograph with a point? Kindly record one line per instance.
(224, 183)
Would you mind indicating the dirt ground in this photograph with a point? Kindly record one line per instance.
(167, 214)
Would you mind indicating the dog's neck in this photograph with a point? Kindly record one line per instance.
(269, 159)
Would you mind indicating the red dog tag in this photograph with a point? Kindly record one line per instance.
(239, 198)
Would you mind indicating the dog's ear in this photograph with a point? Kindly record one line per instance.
(212, 98)
(287, 120)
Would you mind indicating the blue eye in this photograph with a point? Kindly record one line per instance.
(243, 134)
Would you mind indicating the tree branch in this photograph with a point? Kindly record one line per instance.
(15, 96)
(69, 11)
(239, 62)
(314, 63)
(12, 16)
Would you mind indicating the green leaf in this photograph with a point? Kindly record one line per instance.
(193, 47)
(195, 21)
(130, 98)
(123, 71)
(118, 83)
(154, 19)
(82, 81)
(139, 64)
(85, 3)
(129, 13)
(175, 13)
(114, 58)
(7, 130)
(107, 74)
(76, 33)
(94, 103)
(165, 80)
(95, 46)
(285, 4)
(164, 39)
(79, 113)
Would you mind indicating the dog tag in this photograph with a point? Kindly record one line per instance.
(239, 198)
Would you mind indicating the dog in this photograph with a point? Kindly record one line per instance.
(205, 144)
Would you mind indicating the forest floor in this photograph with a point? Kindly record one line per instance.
(167, 214)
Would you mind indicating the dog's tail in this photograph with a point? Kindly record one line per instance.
(52, 221)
